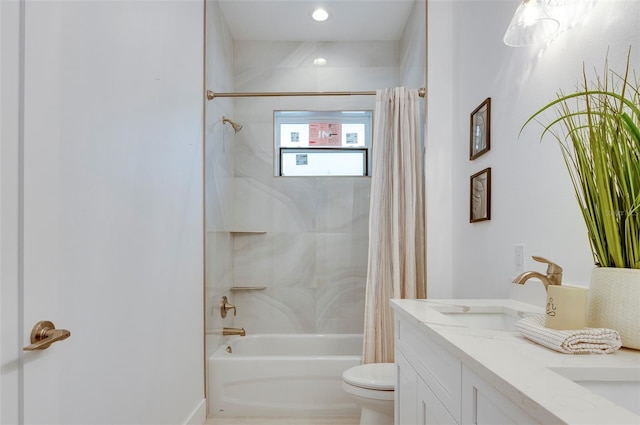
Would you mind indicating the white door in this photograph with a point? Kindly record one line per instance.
(110, 244)
(49, 374)
(10, 292)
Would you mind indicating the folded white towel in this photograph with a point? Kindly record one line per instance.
(583, 341)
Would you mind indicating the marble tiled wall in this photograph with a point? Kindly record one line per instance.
(312, 258)
(314, 268)
(304, 239)
(413, 56)
(219, 171)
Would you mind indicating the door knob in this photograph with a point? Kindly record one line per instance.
(43, 334)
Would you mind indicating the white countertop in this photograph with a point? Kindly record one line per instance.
(523, 370)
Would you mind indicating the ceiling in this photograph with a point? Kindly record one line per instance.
(290, 20)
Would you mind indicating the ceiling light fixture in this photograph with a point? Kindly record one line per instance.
(531, 24)
(319, 61)
(320, 15)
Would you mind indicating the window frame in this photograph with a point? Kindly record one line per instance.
(359, 116)
(326, 149)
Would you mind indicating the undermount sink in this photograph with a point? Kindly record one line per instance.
(486, 317)
(620, 385)
(496, 321)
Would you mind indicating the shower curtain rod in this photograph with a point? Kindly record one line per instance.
(212, 95)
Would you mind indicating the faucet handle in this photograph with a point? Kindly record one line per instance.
(554, 271)
(226, 306)
(552, 267)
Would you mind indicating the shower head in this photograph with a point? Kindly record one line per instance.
(236, 127)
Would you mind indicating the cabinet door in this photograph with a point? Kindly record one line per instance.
(405, 392)
(482, 404)
(430, 410)
(436, 366)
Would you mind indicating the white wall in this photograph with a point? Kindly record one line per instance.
(438, 152)
(532, 198)
(113, 126)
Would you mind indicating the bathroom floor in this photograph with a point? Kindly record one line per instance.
(352, 420)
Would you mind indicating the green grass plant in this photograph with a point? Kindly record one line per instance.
(598, 130)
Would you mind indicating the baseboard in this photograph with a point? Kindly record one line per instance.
(199, 414)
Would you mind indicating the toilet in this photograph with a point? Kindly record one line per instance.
(371, 386)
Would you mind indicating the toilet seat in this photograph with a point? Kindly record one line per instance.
(373, 376)
(368, 395)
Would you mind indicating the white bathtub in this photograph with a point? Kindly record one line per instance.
(283, 375)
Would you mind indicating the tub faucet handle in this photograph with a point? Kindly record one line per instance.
(226, 306)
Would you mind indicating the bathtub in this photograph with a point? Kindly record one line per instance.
(283, 375)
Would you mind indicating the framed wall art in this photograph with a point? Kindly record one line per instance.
(480, 132)
(480, 196)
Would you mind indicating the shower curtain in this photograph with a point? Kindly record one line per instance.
(396, 260)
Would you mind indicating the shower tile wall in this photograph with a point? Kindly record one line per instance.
(312, 256)
(311, 252)
(219, 171)
(314, 269)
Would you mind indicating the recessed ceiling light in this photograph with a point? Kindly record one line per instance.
(320, 15)
(320, 61)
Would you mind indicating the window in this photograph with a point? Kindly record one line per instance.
(312, 143)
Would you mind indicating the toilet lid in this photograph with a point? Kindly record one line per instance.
(375, 376)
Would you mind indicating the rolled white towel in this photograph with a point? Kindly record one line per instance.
(582, 341)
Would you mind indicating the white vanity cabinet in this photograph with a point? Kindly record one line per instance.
(435, 387)
(484, 405)
(454, 369)
(405, 400)
(428, 379)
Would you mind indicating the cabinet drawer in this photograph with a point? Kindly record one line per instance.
(441, 371)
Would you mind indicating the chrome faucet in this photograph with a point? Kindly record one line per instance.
(233, 331)
(553, 276)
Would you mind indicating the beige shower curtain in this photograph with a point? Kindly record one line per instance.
(396, 266)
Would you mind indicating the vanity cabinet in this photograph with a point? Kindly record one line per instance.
(428, 379)
(405, 401)
(484, 405)
(454, 369)
(435, 387)
(416, 403)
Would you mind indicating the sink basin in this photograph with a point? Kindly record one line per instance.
(620, 385)
(496, 321)
(489, 314)
(486, 317)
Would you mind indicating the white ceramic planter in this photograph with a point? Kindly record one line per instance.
(614, 303)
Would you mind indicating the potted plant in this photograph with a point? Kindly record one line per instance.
(598, 130)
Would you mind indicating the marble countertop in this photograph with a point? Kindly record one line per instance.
(522, 370)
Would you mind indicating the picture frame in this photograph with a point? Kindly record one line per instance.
(480, 196)
(480, 130)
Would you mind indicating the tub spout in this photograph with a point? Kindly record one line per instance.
(553, 276)
(234, 331)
